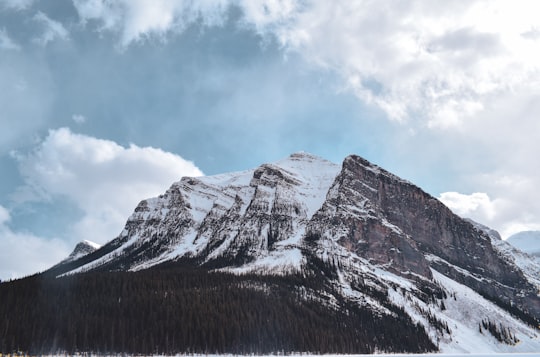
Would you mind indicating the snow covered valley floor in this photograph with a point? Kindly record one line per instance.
(531, 354)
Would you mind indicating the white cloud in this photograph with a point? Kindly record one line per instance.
(499, 156)
(52, 30)
(104, 179)
(518, 206)
(433, 62)
(270, 15)
(138, 19)
(23, 253)
(79, 118)
(438, 62)
(16, 4)
(6, 42)
(4, 215)
(477, 206)
(511, 212)
(135, 20)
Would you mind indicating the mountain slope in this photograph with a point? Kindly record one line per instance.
(370, 240)
(527, 264)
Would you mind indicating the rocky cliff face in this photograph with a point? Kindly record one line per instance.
(370, 232)
(426, 233)
(353, 217)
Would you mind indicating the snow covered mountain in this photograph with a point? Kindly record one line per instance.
(529, 267)
(527, 241)
(81, 249)
(376, 240)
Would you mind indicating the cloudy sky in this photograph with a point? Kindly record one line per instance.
(106, 102)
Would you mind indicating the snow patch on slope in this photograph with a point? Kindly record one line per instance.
(92, 244)
(316, 176)
(284, 261)
(465, 310)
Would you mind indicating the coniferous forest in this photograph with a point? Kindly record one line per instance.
(174, 309)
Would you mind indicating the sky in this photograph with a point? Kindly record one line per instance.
(106, 102)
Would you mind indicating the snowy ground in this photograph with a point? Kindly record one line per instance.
(334, 355)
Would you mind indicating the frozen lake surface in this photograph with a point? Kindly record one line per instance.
(531, 354)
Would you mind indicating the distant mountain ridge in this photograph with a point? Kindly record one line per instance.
(526, 241)
(350, 238)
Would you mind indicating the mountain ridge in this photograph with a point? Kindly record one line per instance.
(526, 241)
(399, 220)
(371, 240)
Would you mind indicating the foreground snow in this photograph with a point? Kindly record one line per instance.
(533, 354)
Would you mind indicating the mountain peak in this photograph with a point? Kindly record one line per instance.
(368, 237)
(82, 248)
(352, 161)
(303, 155)
(301, 161)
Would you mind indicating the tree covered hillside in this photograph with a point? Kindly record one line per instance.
(177, 310)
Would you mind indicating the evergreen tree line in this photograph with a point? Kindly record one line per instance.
(515, 310)
(501, 333)
(177, 310)
(440, 325)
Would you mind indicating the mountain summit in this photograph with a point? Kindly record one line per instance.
(351, 239)
(81, 249)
